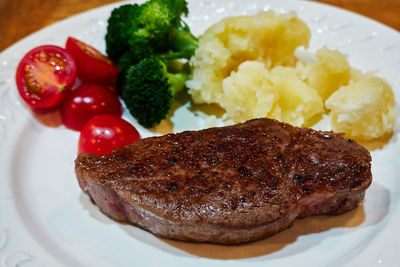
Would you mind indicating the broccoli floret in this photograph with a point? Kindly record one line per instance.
(149, 90)
(128, 59)
(155, 25)
(132, 57)
(120, 28)
(148, 43)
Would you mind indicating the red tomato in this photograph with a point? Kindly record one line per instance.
(92, 65)
(87, 101)
(45, 75)
(103, 133)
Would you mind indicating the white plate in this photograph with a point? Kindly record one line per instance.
(45, 220)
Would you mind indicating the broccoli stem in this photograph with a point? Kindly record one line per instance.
(177, 82)
(183, 42)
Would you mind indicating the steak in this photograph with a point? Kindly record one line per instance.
(227, 185)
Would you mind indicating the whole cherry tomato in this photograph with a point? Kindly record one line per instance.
(45, 75)
(92, 65)
(87, 101)
(103, 133)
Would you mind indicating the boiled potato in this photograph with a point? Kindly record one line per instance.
(247, 65)
(279, 94)
(328, 73)
(257, 100)
(298, 102)
(363, 110)
(266, 37)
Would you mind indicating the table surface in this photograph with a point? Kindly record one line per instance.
(19, 18)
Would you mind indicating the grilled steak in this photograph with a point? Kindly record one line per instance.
(227, 185)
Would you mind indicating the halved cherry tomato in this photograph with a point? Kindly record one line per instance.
(92, 65)
(87, 101)
(45, 75)
(103, 133)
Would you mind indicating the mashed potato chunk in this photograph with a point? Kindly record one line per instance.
(298, 102)
(279, 94)
(364, 110)
(247, 65)
(265, 37)
(328, 73)
(257, 100)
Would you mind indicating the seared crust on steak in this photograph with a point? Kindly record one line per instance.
(230, 184)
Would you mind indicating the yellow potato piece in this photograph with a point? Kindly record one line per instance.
(266, 37)
(328, 73)
(248, 93)
(247, 65)
(364, 110)
(298, 102)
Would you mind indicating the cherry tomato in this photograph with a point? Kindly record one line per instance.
(45, 75)
(87, 101)
(103, 133)
(92, 65)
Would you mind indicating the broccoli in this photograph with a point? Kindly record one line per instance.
(162, 23)
(149, 90)
(131, 57)
(149, 41)
(120, 25)
(184, 43)
(154, 26)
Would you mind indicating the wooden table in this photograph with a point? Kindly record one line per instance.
(18, 18)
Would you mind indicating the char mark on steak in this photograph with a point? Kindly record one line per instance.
(227, 185)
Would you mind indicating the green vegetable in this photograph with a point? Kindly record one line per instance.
(149, 42)
(133, 56)
(119, 30)
(149, 90)
(128, 59)
(154, 26)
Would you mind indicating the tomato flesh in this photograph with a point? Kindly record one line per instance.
(92, 65)
(44, 75)
(104, 133)
(87, 101)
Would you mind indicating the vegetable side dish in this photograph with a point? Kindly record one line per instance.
(148, 41)
(79, 83)
(363, 109)
(248, 66)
